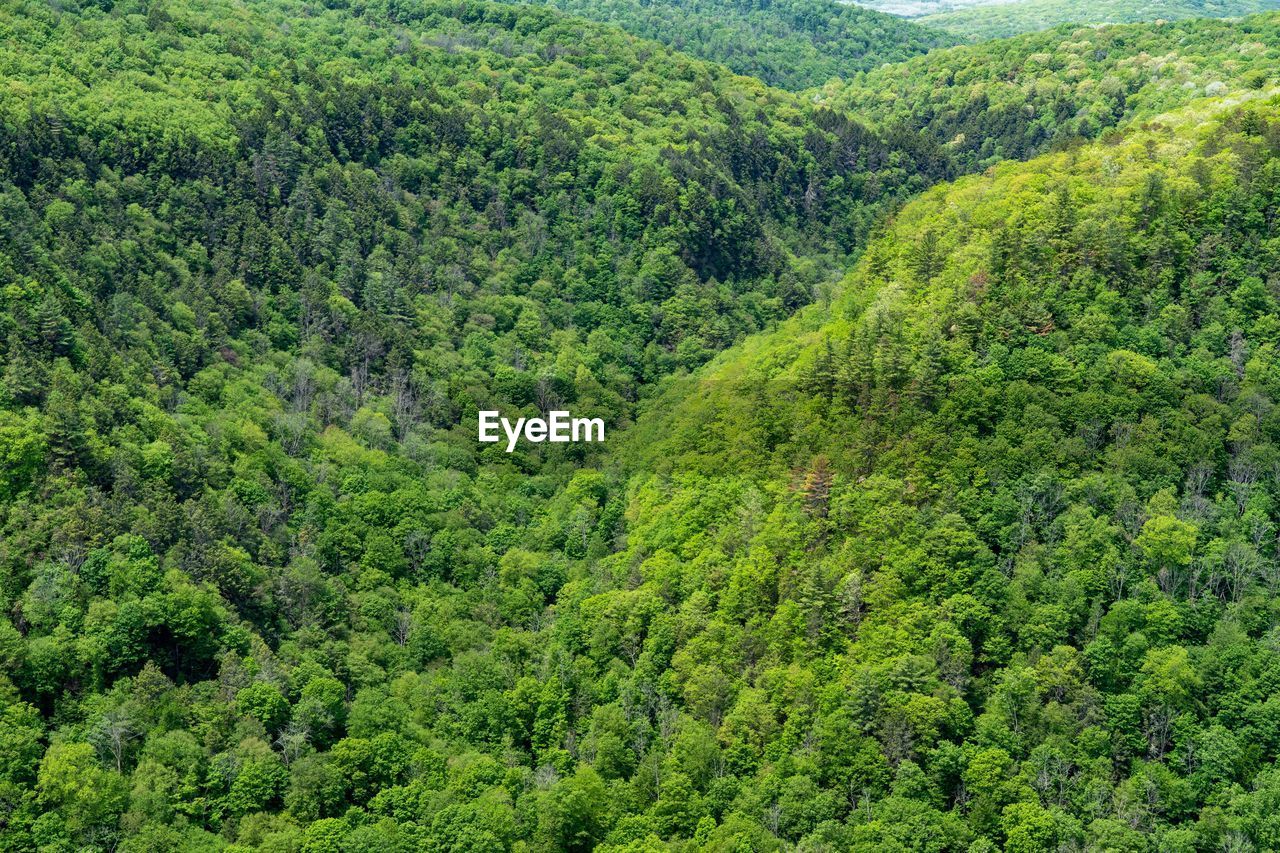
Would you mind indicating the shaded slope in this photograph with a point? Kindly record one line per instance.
(793, 44)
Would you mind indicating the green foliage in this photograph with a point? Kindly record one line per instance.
(1015, 98)
(1001, 523)
(976, 552)
(995, 20)
(792, 44)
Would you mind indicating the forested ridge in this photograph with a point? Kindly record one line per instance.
(970, 548)
(1018, 97)
(793, 44)
(1004, 510)
(1005, 19)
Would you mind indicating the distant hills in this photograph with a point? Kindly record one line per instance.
(977, 20)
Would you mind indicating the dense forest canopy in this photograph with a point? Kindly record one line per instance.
(932, 524)
(793, 44)
(1021, 16)
(978, 20)
(1015, 98)
(456, 177)
(1006, 511)
(262, 263)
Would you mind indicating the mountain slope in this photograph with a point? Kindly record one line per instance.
(997, 20)
(977, 551)
(260, 265)
(1014, 98)
(1006, 510)
(793, 44)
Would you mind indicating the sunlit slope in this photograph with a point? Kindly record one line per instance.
(979, 20)
(1000, 19)
(1020, 16)
(1014, 98)
(1013, 519)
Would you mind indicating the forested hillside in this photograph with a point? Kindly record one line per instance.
(985, 552)
(1015, 98)
(261, 264)
(1021, 16)
(979, 20)
(971, 547)
(793, 44)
